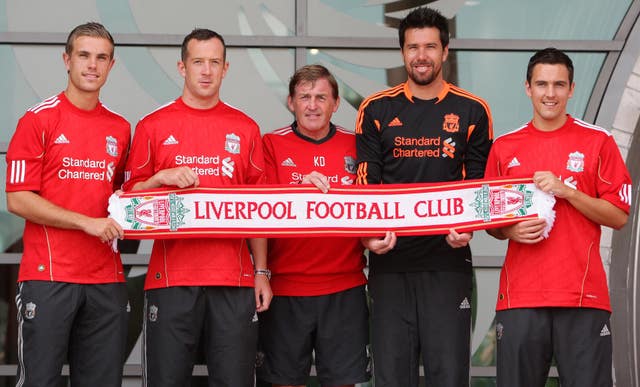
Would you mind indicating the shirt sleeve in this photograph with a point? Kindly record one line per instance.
(140, 163)
(256, 174)
(270, 165)
(492, 168)
(614, 181)
(368, 148)
(479, 141)
(119, 175)
(25, 156)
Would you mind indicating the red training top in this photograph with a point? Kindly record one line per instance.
(317, 265)
(564, 270)
(222, 145)
(73, 158)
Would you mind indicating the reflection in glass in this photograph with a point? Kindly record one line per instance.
(542, 19)
(499, 78)
(148, 16)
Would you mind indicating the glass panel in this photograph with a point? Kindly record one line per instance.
(542, 19)
(257, 83)
(11, 226)
(33, 73)
(19, 16)
(474, 19)
(359, 73)
(483, 341)
(348, 18)
(483, 382)
(18, 92)
(499, 78)
(8, 326)
(272, 17)
(143, 79)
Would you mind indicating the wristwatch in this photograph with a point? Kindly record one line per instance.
(266, 272)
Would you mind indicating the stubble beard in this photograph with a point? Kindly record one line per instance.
(427, 79)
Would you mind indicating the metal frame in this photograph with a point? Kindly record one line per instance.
(605, 106)
(606, 71)
(624, 279)
(303, 41)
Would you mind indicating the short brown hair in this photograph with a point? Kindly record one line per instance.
(311, 73)
(92, 29)
(202, 34)
(550, 55)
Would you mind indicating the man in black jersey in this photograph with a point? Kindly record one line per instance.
(423, 130)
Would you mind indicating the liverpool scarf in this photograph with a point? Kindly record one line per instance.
(302, 210)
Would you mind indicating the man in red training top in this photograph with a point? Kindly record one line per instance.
(318, 283)
(64, 161)
(553, 298)
(201, 289)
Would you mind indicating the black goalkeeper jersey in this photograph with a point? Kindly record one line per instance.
(403, 139)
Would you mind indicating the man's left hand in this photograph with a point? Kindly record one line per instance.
(263, 293)
(456, 240)
(318, 179)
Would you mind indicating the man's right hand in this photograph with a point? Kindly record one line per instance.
(106, 229)
(181, 177)
(317, 179)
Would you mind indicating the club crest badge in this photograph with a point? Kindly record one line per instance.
(350, 164)
(151, 213)
(451, 123)
(30, 310)
(499, 331)
(112, 146)
(509, 201)
(153, 313)
(259, 359)
(232, 144)
(575, 163)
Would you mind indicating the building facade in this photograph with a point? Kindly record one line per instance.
(492, 41)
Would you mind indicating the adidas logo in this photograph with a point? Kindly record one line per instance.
(255, 317)
(170, 140)
(395, 122)
(605, 331)
(288, 163)
(465, 304)
(514, 163)
(61, 140)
